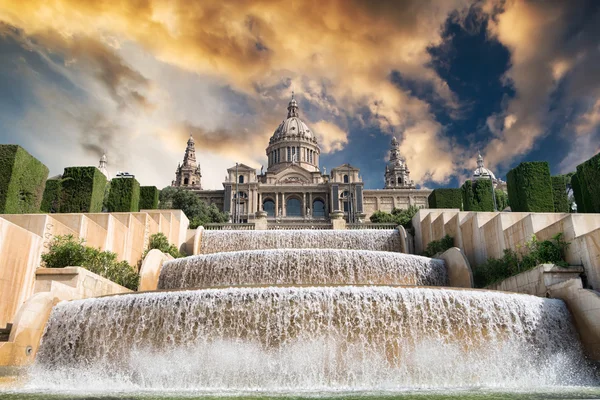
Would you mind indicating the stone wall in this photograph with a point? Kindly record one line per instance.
(536, 281)
(51, 286)
(482, 235)
(24, 237)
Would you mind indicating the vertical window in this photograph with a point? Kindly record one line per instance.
(269, 207)
(241, 179)
(346, 180)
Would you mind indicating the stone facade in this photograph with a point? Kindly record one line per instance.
(294, 188)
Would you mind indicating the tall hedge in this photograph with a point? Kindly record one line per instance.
(149, 198)
(51, 199)
(445, 198)
(578, 193)
(559, 194)
(124, 195)
(501, 199)
(22, 181)
(477, 195)
(530, 187)
(588, 174)
(82, 190)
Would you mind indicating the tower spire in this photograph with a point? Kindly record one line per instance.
(292, 107)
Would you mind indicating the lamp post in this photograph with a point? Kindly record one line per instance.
(236, 196)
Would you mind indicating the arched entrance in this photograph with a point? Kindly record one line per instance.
(318, 208)
(269, 207)
(293, 207)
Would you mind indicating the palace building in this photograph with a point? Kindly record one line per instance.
(293, 188)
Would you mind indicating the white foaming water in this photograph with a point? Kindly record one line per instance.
(302, 267)
(310, 338)
(360, 239)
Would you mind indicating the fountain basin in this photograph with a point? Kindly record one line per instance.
(311, 338)
(302, 267)
(359, 239)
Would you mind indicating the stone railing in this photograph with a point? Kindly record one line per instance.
(299, 225)
(370, 225)
(229, 227)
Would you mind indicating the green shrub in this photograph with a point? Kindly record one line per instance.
(501, 199)
(438, 246)
(51, 199)
(66, 251)
(530, 187)
(559, 194)
(588, 174)
(124, 195)
(544, 252)
(159, 241)
(445, 198)
(382, 217)
(477, 195)
(148, 198)
(197, 211)
(398, 217)
(82, 190)
(22, 181)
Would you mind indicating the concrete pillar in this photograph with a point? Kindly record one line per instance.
(276, 204)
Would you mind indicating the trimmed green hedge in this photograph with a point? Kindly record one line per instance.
(22, 181)
(51, 199)
(477, 195)
(124, 195)
(559, 194)
(501, 199)
(149, 197)
(577, 193)
(445, 198)
(530, 187)
(82, 190)
(588, 174)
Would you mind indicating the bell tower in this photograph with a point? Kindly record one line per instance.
(189, 174)
(397, 174)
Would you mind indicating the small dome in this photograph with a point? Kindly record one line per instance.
(482, 171)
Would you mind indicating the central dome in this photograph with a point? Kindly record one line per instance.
(293, 125)
(293, 143)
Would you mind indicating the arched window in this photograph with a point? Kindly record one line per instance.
(346, 180)
(293, 207)
(241, 179)
(400, 180)
(186, 181)
(318, 209)
(269, 207)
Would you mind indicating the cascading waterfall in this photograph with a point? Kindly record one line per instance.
(310, 338)
(302, 267)
(362, 239)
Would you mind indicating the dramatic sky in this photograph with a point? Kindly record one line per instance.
(516, 80)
